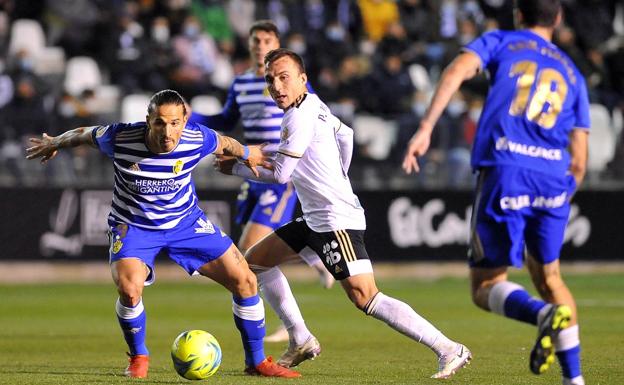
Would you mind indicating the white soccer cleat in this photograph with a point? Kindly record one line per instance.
(451, 363)
(279, 335)
(295, 355)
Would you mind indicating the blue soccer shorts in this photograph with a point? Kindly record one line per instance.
(518, 209)
(268, 204)
(191, 244)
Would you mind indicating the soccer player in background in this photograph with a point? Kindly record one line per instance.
(537, 108)
(155, 208)
(262, 207)
(315, 153)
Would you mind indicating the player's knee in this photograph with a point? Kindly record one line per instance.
(479, 296)
(359, 297)
(129, 293)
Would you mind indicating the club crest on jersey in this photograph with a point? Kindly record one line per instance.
(117, 245)
(100, 131)
(284, 134)
(134, 167)
(177, 167)
(265, 92)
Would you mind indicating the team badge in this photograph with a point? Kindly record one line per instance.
(177, 167)
(100, 131)
(284, 134)
(134, 167)
(265, 92)
(117, 245)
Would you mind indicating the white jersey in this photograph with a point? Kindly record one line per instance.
(323, 186)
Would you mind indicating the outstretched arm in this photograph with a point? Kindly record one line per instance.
(46, 147)
(279, 171)
(251, 156)
(465, 66)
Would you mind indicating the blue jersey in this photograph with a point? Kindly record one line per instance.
(153, 191)
(537, 97)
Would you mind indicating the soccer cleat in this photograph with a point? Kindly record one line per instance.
(295, 355)
(279, 335)
(543, 353)
(268, 368)
(449, 364)
(138, 366)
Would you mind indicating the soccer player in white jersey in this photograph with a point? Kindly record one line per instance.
(262, 207)
(315, 153)
(155, 208)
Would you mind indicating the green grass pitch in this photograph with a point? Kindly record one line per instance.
(68, 334)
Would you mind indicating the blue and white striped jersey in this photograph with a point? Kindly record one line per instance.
(249, 100)
(153, 191)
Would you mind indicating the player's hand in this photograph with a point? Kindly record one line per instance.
(224, 163)
(257, 157)
(417, 146)
(43, 148)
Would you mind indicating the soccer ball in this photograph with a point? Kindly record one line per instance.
(196, 354)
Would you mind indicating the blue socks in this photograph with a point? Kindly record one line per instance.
(521, 306)
(132, 322)
(512, 300)
(568, 350)
(249, 319)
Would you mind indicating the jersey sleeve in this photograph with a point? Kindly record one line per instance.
(211, 140)
(485, 46)
(581, 107)
(297, 133)
(104, 137)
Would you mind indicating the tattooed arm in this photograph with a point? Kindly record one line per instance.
(46, 147)
(251, 156)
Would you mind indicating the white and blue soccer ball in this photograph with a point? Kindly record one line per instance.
(196, 354)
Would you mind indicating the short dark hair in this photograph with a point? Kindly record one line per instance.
(163, 97)
(265, 25)
(284, 52)
(541, 13)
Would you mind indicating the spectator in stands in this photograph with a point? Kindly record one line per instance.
(377, 15)
(197, 54)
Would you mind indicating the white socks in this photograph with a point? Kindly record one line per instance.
(276, 291)
(402, 318)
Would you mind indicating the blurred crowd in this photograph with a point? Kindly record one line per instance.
(70, 63)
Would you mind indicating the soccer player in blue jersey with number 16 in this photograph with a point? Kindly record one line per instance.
(155, 208)
(530, 152)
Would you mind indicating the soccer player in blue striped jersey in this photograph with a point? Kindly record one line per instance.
(262, 207)
(155, 209)
(530, 152)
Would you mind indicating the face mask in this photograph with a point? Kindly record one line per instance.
(67, 109)
(419, 109)
(160, 34)
(474, 114)
(191, 30)
(26, 64)
(456, 108)
(335, 34)
(298, 47)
